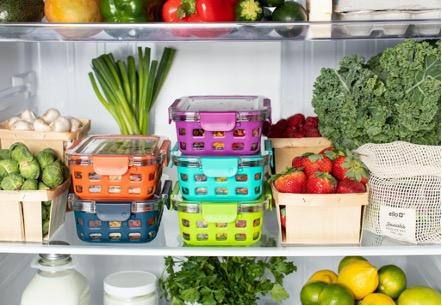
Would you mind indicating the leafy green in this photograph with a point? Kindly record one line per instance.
(224, 280)
(394, 96)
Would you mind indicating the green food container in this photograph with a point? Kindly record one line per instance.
(215, 224)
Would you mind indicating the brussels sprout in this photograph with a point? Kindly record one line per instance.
(42, 186)
(30, 184)
(29, 169)
(8, 166)
(44, 213)
(45, 228)
(4, 154)
(52, 175)
(19, 152)
(12, 182)
(46, 203)
(46, 157)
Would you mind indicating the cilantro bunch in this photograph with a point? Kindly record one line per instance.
(396, 95)
(224, 280)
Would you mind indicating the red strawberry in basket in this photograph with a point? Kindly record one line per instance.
(320, 182)
(332, 153)
(292, 132)
(282, 125)
(296, 121)
(350, 167)
(297, 162)
(311, 132)
(311, 122)
(316, 162)
(350, 186)
(290, 181)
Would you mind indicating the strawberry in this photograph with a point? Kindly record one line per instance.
(350, 167)
(312, 132)
(332, 153)
(320, 182)
(282, 124)
(316, 162)
(266, 128)
(312, 121)
(296, 121)
(290, 181)
(293, 133)
(350, 186)
(297, 162)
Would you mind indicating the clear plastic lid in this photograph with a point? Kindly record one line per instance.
(130, 284)
(247, 108)
(118, 145)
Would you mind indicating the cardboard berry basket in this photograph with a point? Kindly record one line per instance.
(21, 213)
(285, 149)
(321, 218)
(37, 141)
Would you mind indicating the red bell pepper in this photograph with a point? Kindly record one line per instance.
(199, 10)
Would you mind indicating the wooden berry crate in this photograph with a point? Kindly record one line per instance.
(285, 149)
(321, 218)
(37, 141)
(21, 213)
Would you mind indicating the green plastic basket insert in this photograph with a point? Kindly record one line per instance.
(215, 224)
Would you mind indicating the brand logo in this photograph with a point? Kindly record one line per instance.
(396, 215)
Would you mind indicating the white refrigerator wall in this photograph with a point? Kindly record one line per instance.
(15, 272)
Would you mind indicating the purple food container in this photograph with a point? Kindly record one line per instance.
(220, 125)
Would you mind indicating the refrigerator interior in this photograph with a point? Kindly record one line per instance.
(16, 273)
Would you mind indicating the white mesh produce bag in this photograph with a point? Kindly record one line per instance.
(405, 189)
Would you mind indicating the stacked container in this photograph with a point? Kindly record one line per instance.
(118, 193)
(220, 195)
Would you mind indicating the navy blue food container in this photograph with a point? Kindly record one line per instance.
(120, 222)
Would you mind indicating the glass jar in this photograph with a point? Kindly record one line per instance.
(130, 288)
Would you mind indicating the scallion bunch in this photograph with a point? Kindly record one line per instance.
(129, 93)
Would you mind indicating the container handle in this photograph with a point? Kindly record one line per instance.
(165, 152)
(219, 213)
(166, 191)
(269, 149)
(113, 211)
(218, 121)
(173, 152)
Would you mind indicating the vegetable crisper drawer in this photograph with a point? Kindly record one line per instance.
(228, 224)
(118, 168)
(120, 222)
(220, 125)
(221, 179)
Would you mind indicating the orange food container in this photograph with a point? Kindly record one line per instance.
(118, 168)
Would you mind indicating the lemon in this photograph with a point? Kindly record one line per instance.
(336, 294)
(419, 296)
(349, 259)
(326, 276)
(360, 277)
(310, 293)
(392, 281)
(377, 299)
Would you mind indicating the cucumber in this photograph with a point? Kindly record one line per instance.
(290, 12)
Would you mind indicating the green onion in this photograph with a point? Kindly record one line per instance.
(128, 93)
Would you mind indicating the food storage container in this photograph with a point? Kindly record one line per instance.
(320, 218)
(136, 221)
(221, 179)
(130, 288)
(37, 141)
(220, 125)
(118, 168)
(22, 213)
(211, 224)
(285, 149)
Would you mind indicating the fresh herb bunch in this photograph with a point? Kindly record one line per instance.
(224, 280)
(129, 93)
(394, 96)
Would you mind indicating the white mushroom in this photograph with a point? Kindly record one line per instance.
(51, 115)
(13, 120)
(22, 125)
(28, 115)
(75, 124)
(41, 126)
(61, 124)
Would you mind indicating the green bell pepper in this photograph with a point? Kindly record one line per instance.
(124, 10)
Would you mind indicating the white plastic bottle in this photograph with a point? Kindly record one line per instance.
(130, 288)
(56, 283)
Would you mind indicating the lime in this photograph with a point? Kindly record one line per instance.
(310, 293)
(336, 294)
(419, 296)
(348, 259)
(326, 276)
(392, 281)
(360, 277)
(377, 299)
